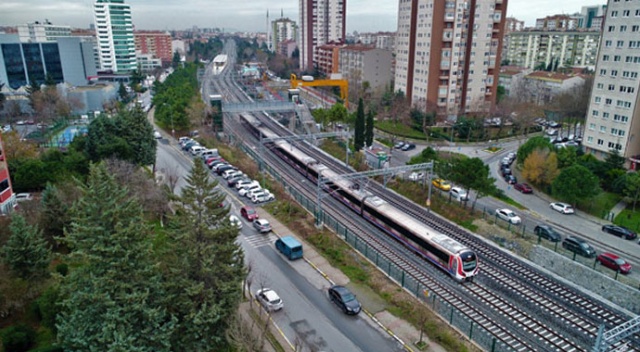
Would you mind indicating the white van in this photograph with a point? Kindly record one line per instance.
(196, 149)
(242, 184)
(459, 194)
(208, 152)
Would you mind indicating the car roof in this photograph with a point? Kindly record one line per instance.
(261, 221)
(270, 294)
(610, 255)
(340, 289)
(577, 239)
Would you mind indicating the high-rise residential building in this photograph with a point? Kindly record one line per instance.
(41, 32)
(558, 23)
(282, 29)
(114, 31)
(321, 22)
(448, 53)
(539, 50)
(613, 117)
(593, 16)
(155, 43)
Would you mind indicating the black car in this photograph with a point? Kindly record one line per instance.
(408, 146)
(579, 246)
(547, 232)
(231, 182)
(344, 299)
(512, 180)
(619, 231)
(505, 171)
(224, 168)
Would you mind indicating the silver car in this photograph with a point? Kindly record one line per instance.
(269, 299)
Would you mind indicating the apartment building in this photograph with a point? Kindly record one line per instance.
(541, 87)
(155, 43)
(321, 22)
(538, 49)
(282, 30)
(613, 117)
(41, 32)
(114, 31)
(360, 64)
(448, 53)
(558, 22)
(7, 197)
(326, 58)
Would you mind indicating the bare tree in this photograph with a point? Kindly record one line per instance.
(241, 335)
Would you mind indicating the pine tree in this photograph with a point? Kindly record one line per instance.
(358, 139)
(114, 299)
(134, 127)
(26, 253)
(205, 276)
(368, 132)
(54, 216)
(122, 93)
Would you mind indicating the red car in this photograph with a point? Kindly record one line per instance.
(523, 187)
(249, 213)
(614, 262)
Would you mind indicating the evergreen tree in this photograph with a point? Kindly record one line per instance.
(368, 132)
(113, 300)
(54, 217)
(204, 279)
(122, 93)
(358, 140)
(175, 61)
(134, 127)
(2, 97)
(26, 253)
(49, 81)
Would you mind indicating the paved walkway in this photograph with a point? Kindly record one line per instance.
(374, 306)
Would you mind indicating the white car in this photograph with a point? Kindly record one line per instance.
(563, 208)
(269, 299)
(6, 128)
(508, 215)
(157, 135)
(244, 184)
(244, 191)
(416, 176)
(459, 194)
(234, 220)
(265, 196)
(23, 197)
(254, 192)
(196, 149)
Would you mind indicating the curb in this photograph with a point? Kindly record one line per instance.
(272, 322)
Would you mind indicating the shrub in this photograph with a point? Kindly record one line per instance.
(62, 269)
(18, 338)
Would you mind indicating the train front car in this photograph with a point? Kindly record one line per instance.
(469, 265)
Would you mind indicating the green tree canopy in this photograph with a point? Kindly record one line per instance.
(575, 183)
(473, 174)
(26, 252)
(368, 131)
(205, 270)
(113, 300)
(632, 188)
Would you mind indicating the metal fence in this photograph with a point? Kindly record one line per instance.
(478, 334)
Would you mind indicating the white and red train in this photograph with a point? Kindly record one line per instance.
(446, 253)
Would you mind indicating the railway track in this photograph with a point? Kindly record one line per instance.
(548, 315)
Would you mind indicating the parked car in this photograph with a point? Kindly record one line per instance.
(157, 135)
(215, 163)
(619, 231)
(416, 176)
(614, 262)
(261, 225)
(441, 184)
(399, 145)
(344, 299)
(553, 124)
(235, 221)
(231, 173)
(249, 213)
(262, 197)
(242, 184)
(523, 187)
(547, 232)
(255, 192)
(505, 171)
(459, 194)
(232, 181)
(269, 299)
(409, 146)
(510, 179)
(196, 150)
(579, 246)
(24, 197)
(508, 215)
(243, 192)
(563, 208)
(223, 168)
(186, 146)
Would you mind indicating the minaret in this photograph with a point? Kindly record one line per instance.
(268, 32)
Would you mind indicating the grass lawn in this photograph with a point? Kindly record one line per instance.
(399, 129)
(600, 205)
(628, 218)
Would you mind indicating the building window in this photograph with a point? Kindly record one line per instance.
(600, 142)
(612, 87)
(608, 101)
(614, 73)
(603, 129)
(616, 58)
(590, 140)
(620, 44)
(635, 28)
(598, 100)
(607, 43)
(626, 13)
(605, 57)
(623, 28)
(595, 113)
(603, 72)
(614, 14)
(592, 126)
(611, 28)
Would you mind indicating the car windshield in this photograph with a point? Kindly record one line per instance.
(251, 211)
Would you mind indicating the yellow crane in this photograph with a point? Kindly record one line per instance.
(309, 81)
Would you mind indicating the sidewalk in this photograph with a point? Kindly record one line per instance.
(374, 306)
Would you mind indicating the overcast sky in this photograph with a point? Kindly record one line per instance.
(245, 15)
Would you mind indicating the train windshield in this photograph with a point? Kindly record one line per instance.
(469, 260)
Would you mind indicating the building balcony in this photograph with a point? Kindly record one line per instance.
(449, 17)
(447, 35)
(497, 17)
(442, 91)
